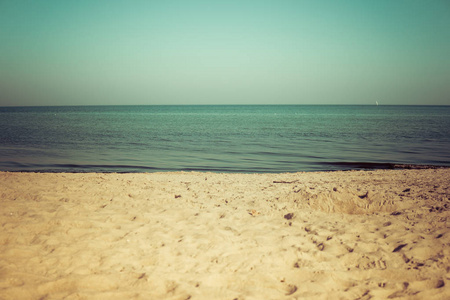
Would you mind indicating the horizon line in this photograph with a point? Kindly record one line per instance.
(81, 105)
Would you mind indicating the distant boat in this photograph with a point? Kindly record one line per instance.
(376, 102)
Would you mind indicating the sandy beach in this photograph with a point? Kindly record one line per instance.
(331, 235)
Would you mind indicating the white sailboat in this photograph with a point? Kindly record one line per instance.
(376, 102)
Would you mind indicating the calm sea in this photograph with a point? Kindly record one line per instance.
(222, 138)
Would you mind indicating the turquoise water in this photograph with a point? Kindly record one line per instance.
(222, 138)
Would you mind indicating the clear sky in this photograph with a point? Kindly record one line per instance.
(224, 52)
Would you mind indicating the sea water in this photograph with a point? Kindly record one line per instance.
(231, 138)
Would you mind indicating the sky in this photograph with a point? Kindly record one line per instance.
(224, 52)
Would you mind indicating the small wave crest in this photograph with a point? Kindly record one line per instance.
(379, 166)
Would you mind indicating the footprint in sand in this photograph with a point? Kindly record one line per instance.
(290, 289)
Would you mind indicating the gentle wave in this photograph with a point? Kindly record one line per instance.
(334, 166)
(378, 166)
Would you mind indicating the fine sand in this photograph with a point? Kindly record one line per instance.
(333, 235)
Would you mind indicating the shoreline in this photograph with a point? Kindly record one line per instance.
(352, 166)
(205, 235)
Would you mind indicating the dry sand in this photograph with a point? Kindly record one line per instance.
(333, 235)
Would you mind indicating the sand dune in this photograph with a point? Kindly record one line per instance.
(333, 235)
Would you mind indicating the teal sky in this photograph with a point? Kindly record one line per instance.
(224, 52)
